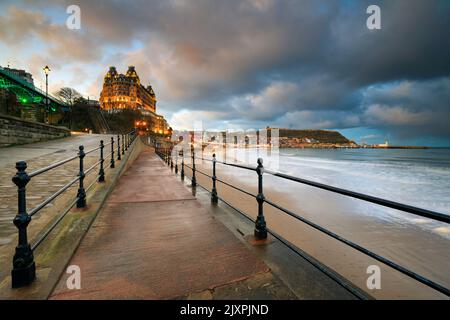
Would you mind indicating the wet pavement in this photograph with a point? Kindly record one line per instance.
(155, 240)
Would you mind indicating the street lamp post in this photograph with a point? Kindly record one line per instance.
(46, 113)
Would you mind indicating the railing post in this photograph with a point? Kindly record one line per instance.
(182, 165)
(126, 144)
(176, 161)
(81, 195)
(24, 269)
(194, 180)
(112, 165)
(171, 159)
(101, 173)
(123, 144)
(118, 148)
(260, 224)
(214, 197)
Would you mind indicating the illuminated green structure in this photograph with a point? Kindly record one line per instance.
(30, 97)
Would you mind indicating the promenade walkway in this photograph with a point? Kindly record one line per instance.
(154, 240)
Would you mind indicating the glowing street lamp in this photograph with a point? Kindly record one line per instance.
(46, 70)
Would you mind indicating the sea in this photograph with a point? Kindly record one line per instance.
(417, 177)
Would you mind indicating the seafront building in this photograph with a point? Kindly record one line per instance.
(125, 91)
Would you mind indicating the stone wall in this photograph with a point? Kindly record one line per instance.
(18, 131)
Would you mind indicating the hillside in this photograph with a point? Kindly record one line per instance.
(320, 136)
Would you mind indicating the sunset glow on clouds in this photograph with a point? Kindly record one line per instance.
(249, 64)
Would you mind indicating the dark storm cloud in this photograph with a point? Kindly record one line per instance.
(412, 44)
(287, 63)
(410, 108)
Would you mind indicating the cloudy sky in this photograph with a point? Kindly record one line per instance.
(252, 63)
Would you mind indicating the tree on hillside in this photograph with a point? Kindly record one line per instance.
(68, 95)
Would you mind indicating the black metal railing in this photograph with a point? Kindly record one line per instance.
(261, 230)
(24, 270)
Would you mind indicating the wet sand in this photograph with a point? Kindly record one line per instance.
(410, 246)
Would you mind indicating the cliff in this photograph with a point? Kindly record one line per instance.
(293, 138)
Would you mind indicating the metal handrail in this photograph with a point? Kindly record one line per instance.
(324, 269)
(223, 182)
(54, 224)
(60, 191)
(51, 166)
(86, 172)
(383, 202)
(92, 167)
(23, 259)
(380, 201)
(236, 188)
(52, 197)
(359, 248)
(60, 163)
(229, 164)
(92, 150)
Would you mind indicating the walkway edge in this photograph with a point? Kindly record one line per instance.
(56, 252)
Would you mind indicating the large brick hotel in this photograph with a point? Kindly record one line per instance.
(125, 91)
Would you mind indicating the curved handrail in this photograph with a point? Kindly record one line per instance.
(383, 202)
(23, 217)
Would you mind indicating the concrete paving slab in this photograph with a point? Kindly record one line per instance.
(145, 189)
(150, 243)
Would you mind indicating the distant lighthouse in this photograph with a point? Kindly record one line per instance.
(384, 145)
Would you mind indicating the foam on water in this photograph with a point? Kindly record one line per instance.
(416, 177)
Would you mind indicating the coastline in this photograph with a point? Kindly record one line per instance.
(340, 146)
